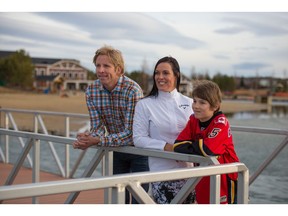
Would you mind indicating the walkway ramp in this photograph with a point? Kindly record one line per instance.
(25, 176)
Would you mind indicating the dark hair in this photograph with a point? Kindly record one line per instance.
(176, 71)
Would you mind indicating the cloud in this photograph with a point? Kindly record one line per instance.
(34, 27)
(221, 56)
(263, 24)
(125, 26)
(207, 41)
(250, 66)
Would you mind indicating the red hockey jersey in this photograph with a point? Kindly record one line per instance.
(211, 138)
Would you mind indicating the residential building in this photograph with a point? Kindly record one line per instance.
(52, 75)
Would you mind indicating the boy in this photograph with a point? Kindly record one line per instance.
(208, 133)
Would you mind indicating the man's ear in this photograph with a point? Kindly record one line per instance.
(119, 71)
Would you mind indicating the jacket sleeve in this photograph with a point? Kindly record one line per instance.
(141, 125)
(186, 142)
(213, 144)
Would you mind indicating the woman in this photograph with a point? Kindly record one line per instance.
(158, 119)
(208, 133)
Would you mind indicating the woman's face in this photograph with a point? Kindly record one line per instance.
(164, 77)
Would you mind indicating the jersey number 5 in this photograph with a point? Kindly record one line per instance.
(214, 132)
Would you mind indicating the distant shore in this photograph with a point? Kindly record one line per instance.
(75, 103)
(234, 106)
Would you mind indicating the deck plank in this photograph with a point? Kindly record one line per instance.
(25, 176)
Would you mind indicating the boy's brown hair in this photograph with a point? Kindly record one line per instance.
(209, 91)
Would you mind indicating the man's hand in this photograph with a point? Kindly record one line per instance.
(85, 140)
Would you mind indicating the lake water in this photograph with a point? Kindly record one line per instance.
(271, 187)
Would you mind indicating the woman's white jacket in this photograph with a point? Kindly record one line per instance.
(159, 120)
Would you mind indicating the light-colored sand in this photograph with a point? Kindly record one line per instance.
(236, 106)
(75, 103)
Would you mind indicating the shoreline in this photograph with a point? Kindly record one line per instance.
(75, 103)
(234, 106)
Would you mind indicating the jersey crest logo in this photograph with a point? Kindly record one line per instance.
(214, 132)
(221, 120)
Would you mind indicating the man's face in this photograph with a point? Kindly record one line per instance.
(106, 72)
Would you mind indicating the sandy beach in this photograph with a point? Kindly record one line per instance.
(75, 103)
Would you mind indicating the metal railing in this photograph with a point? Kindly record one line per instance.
(115, 185)
(9, 122)
(69, 174)
(274, 153)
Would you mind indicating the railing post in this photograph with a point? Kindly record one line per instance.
(118, 194)
(215, 189)
(108, 171)
(6, 124)
(67, 147)
(243, 187)
(35, 123)
(36, 167)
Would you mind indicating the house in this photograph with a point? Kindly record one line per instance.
(73, 75)
(186, 86)
(48, 84)
(53, 74)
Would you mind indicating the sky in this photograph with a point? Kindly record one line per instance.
(241, 43)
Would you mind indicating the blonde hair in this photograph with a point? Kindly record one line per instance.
(114, 55)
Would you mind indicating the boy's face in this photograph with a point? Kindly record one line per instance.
(106, 72)
(202, 109)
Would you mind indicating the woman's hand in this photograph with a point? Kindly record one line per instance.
(168, 147)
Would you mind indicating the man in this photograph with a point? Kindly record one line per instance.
(111, 101)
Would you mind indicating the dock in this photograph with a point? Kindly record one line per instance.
(25, 176)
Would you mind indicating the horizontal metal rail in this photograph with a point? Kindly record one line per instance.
(102, 152)
(260, 130)
(44, 112)
(132, 182)
(127, 149)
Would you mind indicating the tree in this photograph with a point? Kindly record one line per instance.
(16, 70)
(199, 76)
(91, 75)
(225, 82)
(242, 82)
(141, 78)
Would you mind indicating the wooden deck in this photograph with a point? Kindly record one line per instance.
(25, 176)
